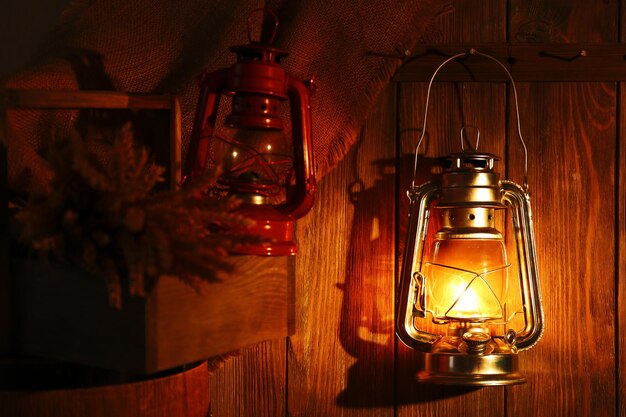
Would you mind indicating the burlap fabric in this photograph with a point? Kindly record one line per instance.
(161, 46)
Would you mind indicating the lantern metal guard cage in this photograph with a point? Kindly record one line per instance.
(467, 209)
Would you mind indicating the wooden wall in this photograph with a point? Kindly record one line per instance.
(344, 359)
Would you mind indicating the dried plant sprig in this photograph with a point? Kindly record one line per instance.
(103, 215)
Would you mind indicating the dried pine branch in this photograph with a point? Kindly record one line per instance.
(103, 216)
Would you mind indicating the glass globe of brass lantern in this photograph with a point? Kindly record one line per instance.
(469, 295)
(270, 172)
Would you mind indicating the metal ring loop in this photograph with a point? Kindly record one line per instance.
(463, 128)
(264, 11)
(519, 128)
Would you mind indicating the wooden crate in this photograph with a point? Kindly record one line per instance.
(62, 313)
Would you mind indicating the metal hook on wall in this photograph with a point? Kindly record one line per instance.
(581, 54)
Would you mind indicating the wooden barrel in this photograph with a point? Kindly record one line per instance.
(52, 390)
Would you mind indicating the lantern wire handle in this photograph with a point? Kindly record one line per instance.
(519, 127)
(264, 11)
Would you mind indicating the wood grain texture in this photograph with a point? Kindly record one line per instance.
(571, 163)
(563, 21)
(570, 131)
(247, 307)
(180, 395)
(51, 99)
(176, 146)
(621, 272)
(620, 361)
(464, 21)
(452, 106)
(251, 383)
(341, 357)
(5, 277)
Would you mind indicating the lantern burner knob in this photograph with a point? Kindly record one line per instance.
(476, 341)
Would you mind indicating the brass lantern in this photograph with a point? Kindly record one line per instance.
(469, 294)
(270, 172)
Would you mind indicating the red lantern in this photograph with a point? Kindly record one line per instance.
(271, 174)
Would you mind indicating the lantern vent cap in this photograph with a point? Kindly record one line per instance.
(471, 161)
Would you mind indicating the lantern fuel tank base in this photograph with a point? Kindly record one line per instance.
(470, 370)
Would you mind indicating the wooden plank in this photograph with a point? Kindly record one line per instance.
(341, 357)
(580, 21)
(247, 307)
(51, 99)
(176, 146)
(452, 106)
(5, 278)
(252, 383)
(620, 360)
(529, 62)
(181, 394)
(620, 284)
(570, 131)
(571, 170)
